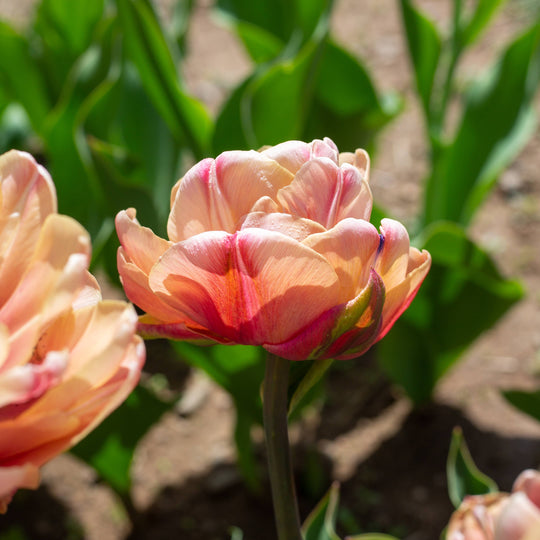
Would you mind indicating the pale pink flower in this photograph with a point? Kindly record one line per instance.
(272, 248)
(500, 516)
(67, 358)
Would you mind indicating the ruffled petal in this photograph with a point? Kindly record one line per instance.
(517, 516)
(137, 289)
(27, 198)
(214, 195)
(293, 226)
(251, 287)
(326, 193)
(350, 248)
(57, 273)
(140, 245)
(14, 478)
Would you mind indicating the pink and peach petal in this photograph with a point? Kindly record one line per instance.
(22, 384)
(238, 286)
(27, 198)
(400, 296)
(140, 244)
(517, 516)
(16, 477)
(25, 183)
(152, 328)
(293, 226)
(306, 343)
(529, 483)
(290, 154)
(213, 195)
(28, 432)
(350, 247)
(359, 159)
(325, 148)
(393, 260)
(326, 193)
(136, 287)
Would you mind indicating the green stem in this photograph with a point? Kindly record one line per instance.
(275, 388)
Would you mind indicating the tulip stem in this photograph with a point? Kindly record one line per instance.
(275, 405)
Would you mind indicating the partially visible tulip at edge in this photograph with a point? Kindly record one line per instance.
(500, 516)
(67, 358)
(272, 248)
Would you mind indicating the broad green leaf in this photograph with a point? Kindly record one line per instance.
(260, 44)
(526, 402)
(68, 26)
(343, 84)
(186, 117)
(69, 159)
(463, 295)
(146, 159)
(270, 106)
(20, 77)
(109, 448)
(497, 121)
(65, 32)
(266, 26)
(463, 476)
(231, 129)
(424, 45)
(278, 100)
(346, 106)
(275, 17)
(483, 12)
(321, 522)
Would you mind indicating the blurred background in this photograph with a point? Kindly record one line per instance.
(118, 98)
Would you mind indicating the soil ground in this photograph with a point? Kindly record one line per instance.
(389, 458)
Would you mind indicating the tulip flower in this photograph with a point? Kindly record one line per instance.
(272, 248)
(500, 516)
(67, 358)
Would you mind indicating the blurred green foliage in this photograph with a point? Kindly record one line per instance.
(95, 91)
(464, 294)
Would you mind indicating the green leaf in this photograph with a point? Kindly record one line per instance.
(273, 17)
(21, 77)
(483, 12)
(347, 107)
(527, 402)
(498, 120)
(186, 117)
(260, 44)
(143, 161)
(109, 448)
(68, 27)
(271, 105)
(321, 522)
(424, 44)
(463, 295)
(463, 476)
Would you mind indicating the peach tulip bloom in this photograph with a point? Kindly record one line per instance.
(272, 248)
(67, 358)
(500, 516)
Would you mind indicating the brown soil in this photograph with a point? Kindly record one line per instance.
(389, 458)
